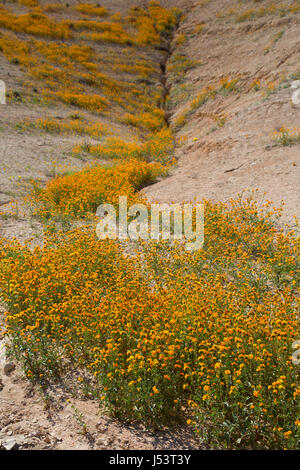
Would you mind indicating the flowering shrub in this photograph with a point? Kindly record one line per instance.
(15, 50)
(80, 194)
(152, 121)
(103, 31)
(56, 126)
(287, 136)
(221, 349)
(52, 7)
(153, 23)
(159, 147)
(28, 3)
(35, 23)
(65, 70)
(88, 9)
(91, 102)
(168, 335)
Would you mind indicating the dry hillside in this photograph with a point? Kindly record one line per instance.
(232, 142)
(89, 85)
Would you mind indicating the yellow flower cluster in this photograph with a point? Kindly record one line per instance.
(35, 23)
(78, 75)
(286, 136)
(57, 126)
(150, 24)
(159, 147)
(91, 102)
(222, 348)
(28, 3)
(80, 194)
(92, 10)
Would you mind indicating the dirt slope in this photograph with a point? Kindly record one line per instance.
(227, 144)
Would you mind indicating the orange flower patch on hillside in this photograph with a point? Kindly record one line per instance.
(168, 334)
(79, 194)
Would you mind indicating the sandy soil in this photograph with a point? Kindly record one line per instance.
(241, 155)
